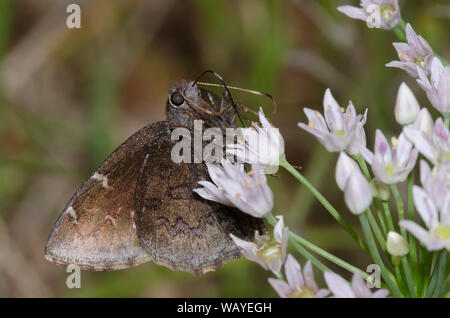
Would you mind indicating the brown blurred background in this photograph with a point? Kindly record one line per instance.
(68, 97)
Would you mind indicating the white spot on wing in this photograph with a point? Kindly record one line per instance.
(102, 178)
(109, 217)
(73, 214)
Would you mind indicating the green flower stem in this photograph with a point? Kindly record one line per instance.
(421, 272)
(401, 215)
(363, 166)
(379, 236)
(400, 208)
(399, 30)
(380, 216)
(286, 165)
(408, 276)
(387, 213)
(297, 240)
(386, 274)
(400, 280)
(430, 263)
(447, 120)
(437, 285)
(372, 221)
(412, 240)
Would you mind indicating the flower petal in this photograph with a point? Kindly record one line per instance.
(338, 286)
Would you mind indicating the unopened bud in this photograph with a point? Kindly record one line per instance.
(358, 193)
(406, 106)
(396, 245)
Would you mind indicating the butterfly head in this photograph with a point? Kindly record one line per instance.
(187, 102)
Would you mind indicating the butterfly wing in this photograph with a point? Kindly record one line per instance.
(96, 230)
(178, 228)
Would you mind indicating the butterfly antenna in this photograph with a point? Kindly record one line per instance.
(225, 86)
(251, 91)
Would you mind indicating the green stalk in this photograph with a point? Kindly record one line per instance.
(296, 239)
(380, 216)
(437, 279)
(387, 275)
(387, 213)
(328, 206)
(408, 276)
(400, 208)
(372, 221)
(401, 215)
(399, 30)
(379, 236)
(412, 240)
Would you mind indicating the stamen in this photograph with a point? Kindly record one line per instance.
(394, 142)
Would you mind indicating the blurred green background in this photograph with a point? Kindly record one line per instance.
(68, 97)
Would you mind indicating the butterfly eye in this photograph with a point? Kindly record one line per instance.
(176, 99)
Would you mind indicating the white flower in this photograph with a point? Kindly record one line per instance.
(406, 107)
(438, 89)
(417, 53)
(263, 145)
(393, 166)
(358, 289)
(341, 130)
(358, 192)
(434, 144)
(437, 234)
(267, 252)
(396, 245)
(247, 191)
(384, 14)
(436, 182)
(299, 285)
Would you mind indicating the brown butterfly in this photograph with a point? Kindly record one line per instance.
(138, 206)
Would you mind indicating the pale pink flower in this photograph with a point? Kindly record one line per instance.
(414, 55)
(436, 236)
(340, 288)
(340, 130)
(299, 284)
(393, 165)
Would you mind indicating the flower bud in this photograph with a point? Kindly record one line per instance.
(406, 106)
(396, 245)
(358, 193)
(344, 167)
(424, 122)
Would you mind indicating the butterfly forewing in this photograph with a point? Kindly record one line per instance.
(96, 229)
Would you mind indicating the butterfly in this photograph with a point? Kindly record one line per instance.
(138, 206)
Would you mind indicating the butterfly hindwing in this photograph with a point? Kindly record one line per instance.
(96, 230)
(178, 228)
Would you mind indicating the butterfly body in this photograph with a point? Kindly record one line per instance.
(138, 206)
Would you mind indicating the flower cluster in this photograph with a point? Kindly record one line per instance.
(367, 178)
